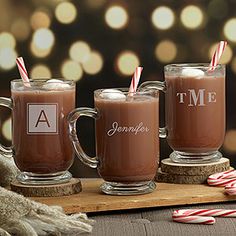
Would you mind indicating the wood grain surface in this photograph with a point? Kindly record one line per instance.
(91, 199)
(205, 169)
(54, 190)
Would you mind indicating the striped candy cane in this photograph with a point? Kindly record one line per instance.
(225, 179)
(217, 55)
(22, 70)
(183, 216)
(135, 80)
(201, 216)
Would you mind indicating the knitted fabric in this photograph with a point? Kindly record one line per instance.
(24, 217)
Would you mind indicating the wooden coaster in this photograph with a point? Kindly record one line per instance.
(205, 169)
(72, 187)
(180, 179)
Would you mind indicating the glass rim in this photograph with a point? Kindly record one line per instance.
(40, 81)
(125, 91)
(192, 66)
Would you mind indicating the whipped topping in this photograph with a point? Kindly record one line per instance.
(113, 94)
(55, 84)
(192, 72)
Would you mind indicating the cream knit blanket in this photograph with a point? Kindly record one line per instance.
(24, 217)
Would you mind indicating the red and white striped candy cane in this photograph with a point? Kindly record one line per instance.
(22, 70)
(183, 217)
(225, 179)
(230, 189)
(217, 55)
(201, 216)
(210, 212)
(135, 80)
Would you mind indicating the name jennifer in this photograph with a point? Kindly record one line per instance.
(140, 128)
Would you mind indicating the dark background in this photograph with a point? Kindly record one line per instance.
(114, 40)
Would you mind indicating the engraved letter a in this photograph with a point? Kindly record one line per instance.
(42, 118)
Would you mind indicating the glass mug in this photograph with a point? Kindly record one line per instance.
(40, 143)
(127, 142)
(194, 111)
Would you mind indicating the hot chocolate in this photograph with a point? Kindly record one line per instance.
(37, 149)
(127, 142)
(40, 143)
(195, 113)
(127, 138)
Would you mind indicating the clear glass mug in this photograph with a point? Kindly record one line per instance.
(127, 142)
(40, 143)
(194, 111)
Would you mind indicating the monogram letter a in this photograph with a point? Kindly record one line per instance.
(42, 118)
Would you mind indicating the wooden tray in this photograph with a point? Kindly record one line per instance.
(91, 199)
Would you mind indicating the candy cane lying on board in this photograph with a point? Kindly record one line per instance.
(201, 216)
(225, 179)
(205, 216)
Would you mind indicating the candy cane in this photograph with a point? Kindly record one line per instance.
(183, 216)
(22, 70)
(135, 80)
(230, 189)
(205, 216)
(225, 179)
(201, 216)
(217, 55)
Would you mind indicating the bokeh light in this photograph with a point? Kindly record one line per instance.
(40, 71)
(230, 29)
(116, 17)
(126, 62)
(38, 52)
(6, 129)
(71, 70)
(7, 40)
(66, 12)
(163, 17)
(166, 51)
(230, 141)
(226, 56)
(43, 38)
(8, 57)
(79, 51)
(20, 28)
(93, 64)
(191, 17)
(40, 19)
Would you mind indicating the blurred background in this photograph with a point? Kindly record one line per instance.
(98, 43)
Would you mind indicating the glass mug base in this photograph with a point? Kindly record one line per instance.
(113, 188)
(29, 178)
(195, 158)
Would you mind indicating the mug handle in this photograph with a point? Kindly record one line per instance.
(160, 86)
(72, 119)
(6, 151)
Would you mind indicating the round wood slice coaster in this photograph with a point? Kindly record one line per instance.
(180, 179)
(72, 187)
(205, 169)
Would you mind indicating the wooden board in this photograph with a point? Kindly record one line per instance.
(91, 199)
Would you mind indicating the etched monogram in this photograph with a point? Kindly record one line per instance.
(140, 128)
(199, 98)
(42, 118)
